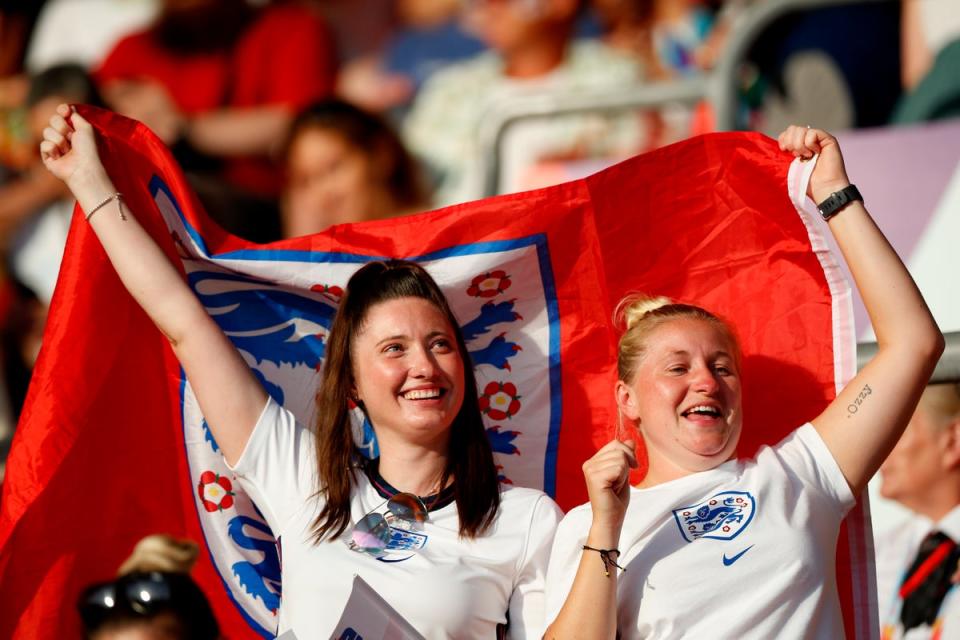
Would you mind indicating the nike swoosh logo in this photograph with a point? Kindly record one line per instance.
(397, 559)
(729, 561)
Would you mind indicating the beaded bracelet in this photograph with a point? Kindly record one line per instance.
(607, 560)
(116, 196)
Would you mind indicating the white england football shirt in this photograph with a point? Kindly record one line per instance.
(746, 550)
(443, 585)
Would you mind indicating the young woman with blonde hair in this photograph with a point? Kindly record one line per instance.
(713, 546)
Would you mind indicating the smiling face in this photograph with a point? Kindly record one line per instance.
(408, 372)
(685, 398)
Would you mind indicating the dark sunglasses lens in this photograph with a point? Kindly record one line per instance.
(145, 594)
(95, 603)
(407, 506)
(371, 534)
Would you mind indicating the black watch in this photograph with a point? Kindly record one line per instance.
(838, 200)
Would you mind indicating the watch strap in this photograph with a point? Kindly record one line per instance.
(838, 200)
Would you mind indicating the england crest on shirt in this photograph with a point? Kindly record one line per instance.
(721, 517)
(405, 540)
(277, 306)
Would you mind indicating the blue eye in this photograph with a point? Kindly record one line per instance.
(442, 345)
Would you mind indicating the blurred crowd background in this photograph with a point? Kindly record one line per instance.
(291, 116)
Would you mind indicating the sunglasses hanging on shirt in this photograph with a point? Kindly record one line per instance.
(372, 534)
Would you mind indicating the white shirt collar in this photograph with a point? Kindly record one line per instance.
(950, 524)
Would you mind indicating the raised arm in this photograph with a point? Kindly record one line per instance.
(864, 422)
(590, 609)
(230, 396)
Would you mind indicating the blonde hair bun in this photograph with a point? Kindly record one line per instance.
(634, 306)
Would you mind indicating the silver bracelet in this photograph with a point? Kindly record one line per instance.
(116, 196)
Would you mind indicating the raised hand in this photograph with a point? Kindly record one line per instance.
(590, 610)
(607, 475)
(212, 363)
(909, 341)
(69, 147)
(830, 174)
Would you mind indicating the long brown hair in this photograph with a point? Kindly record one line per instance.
(469, 458)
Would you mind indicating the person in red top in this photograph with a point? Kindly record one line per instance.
(218, 79)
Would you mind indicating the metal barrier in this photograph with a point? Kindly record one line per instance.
(497, 121)
(948, 368)
(719, 88)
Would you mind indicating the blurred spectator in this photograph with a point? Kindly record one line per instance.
(35, 212)
(930, 67)
(82, 32)
(34, 219)
(915, 560)
(152, 599)
(161, 552)
(220, 81)
(16, 22)
(671, 37)
(16, 147)
(359, 27)
(345, 165)
(531, 53)
(926, 28)
(428, 37)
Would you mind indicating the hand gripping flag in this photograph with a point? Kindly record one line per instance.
(111, 445)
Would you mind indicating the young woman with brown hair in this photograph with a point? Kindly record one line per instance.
(427, 525)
